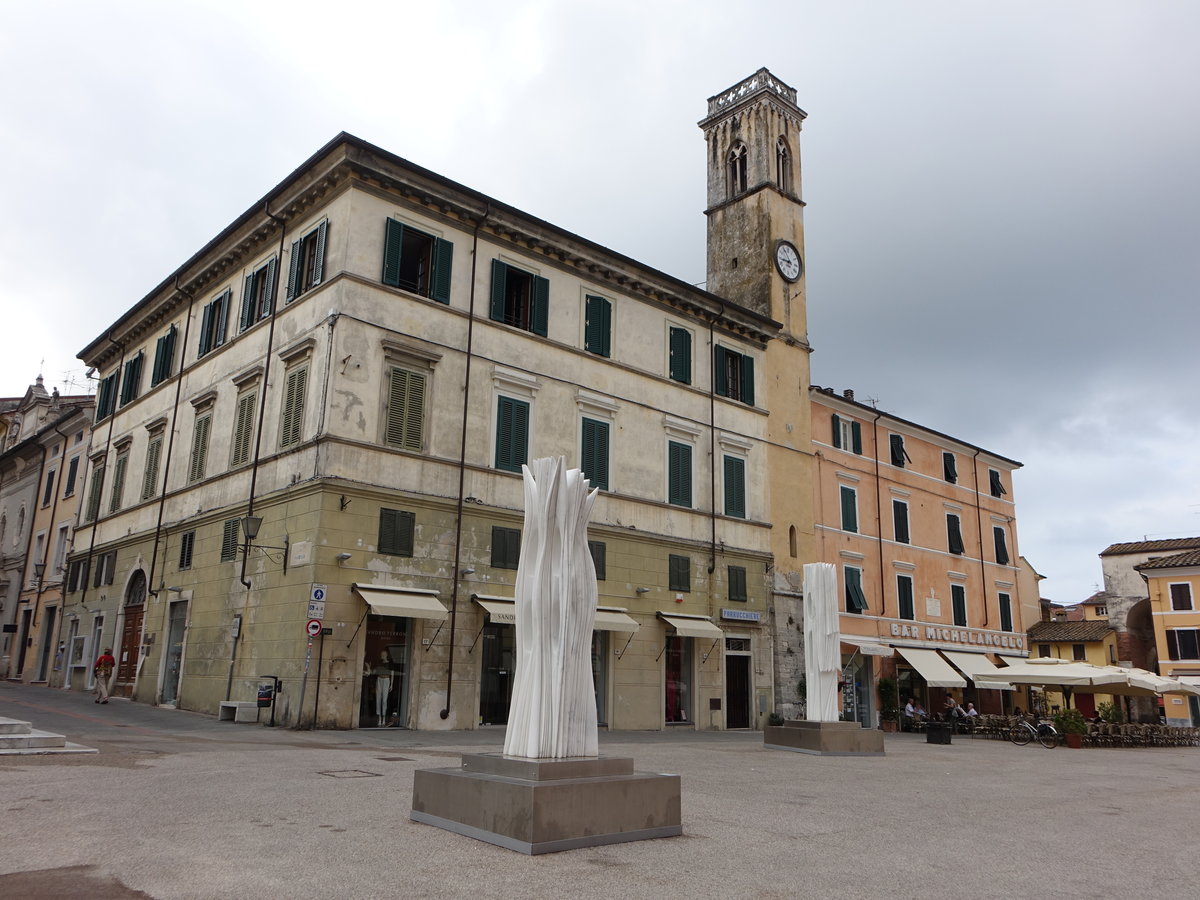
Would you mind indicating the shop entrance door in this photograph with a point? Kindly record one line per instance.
(23, 638)
(737, 691)
(600, 674)
(131, 635)
(174, 652)
(48, 621)
(496, 678)
(384, 702)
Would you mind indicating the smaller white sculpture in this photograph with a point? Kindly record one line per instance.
(822, 647)
(553, 711)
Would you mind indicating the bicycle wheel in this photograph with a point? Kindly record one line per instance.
(1020, 735)
(1048, 737)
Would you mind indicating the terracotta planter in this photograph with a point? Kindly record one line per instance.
(1074, 741)
(889, 727)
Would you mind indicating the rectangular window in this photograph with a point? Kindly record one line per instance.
(733, 375)
(996, 484)
(597, 326)
(77, 575)
(106, 395)
(680, 355)
(512, 434)
(599, 551)
(1181, 596)
(899, 455)
(900, 521)
(593, 454)
(849, 500)
(735, 487)
(417, 262)
(243, 429)
(679, 474)
(904, 597)
(847, 434)
(118, 482)
(150, 476)
(679, 572)
(1006, 620)
(1183, 643)
(72, 474)
(60, 549)
(949, 468)
(737, 584)
(958, 598)
(187, 542)
(164, 357)
(519, 298)
(954, 539)
(93, 503)
(1079, 653)
(1043, 651)
(396, 530)
(106, 569)
(229, 539)
(131, 383)
(405, 409)
(258, 294)
(215, 322)
(1001, 545)
(291, 427)
(506, 547)
(48, 492)
(307, 269)
(856, 600)
(199, 460)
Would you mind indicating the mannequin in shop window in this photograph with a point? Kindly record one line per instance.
(382, 673)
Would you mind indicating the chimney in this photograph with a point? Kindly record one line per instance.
(848, 393)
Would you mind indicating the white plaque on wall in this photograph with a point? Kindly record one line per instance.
(933, 608)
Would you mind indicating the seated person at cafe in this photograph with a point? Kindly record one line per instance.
(909, 712)
(970, 711)
(919, 712)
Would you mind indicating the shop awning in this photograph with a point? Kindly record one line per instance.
(977, 667)
(693, 626)
(500, 610)
(935, 670)
(613, 618)
(407, 602)
(866, 646)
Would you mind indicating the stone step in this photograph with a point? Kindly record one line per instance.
(34, 740)
(14, 726)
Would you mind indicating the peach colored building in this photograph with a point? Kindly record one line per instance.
(1174, 585)
(922, 529)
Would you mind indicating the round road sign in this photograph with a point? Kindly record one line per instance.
(314, 627)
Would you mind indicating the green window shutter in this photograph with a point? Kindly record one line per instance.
(949, 468)
(199, 448)
(856, 600)
(748, 380)
(597, 324)
(679, 474)
(293, 407)
(133, 378)
(499, 280)
(856, 437)
(900, 521)
(737, 584)
(904, 596)
(954, 539)
(150, 477)
(1001, 545)
(849, 498)
(247, 316)
(229, 540)
(221, 319)
(836, 421)
(393, 244)
(268, 296)
(206, 330)
(958, 595)
(294, 260)
(735, 487)
(93, 504)
(720, 385)
(540, 311)
(319, 253)
(156, 373)
(406, 409)
(512, 434)
(118, 485)
(72, 474)
(243, 429)
(594, 452)
(1006, 623)
(443, 262)
(396, 530)
(679, 573)
(680, 348)
(506, 547)
(997, 485)
(599, 552)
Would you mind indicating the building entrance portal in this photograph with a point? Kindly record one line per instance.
(496, 682)
(131, 635)
(384, 701)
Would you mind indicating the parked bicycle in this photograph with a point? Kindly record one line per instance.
(1024, 732)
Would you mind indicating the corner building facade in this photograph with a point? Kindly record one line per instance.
(356, 368)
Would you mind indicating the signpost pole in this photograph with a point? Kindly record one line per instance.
(303, 686)
(320, 659)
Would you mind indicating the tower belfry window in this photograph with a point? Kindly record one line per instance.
(783, 166)
(737, 169)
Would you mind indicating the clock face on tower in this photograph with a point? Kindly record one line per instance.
(787, 260)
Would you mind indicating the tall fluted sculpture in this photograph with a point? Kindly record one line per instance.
(822, 650)
(553, 711)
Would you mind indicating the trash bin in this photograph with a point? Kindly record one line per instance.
(938, 733)
(267, 691)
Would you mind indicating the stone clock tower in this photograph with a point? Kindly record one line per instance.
(756, 259)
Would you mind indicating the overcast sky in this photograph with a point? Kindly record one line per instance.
(1003, 199)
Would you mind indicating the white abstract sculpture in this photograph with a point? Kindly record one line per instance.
(553, 711)
(822, 649)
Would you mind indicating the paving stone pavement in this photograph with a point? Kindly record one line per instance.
(178, 805)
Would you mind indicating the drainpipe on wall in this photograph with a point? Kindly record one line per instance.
(712, 445)
(979, 521)
(462, 461)
(62, 599)
(879, 514)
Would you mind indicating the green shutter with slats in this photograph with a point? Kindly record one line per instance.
(512, 434)
(94, 491)
(904, 597)
(597, 325)
(206, 330)
(221, 319)
(735, 487)
(856, 600)
(293, 284)
(958, 599)
(499, 282)
(268, 291)
(737, 584)
(319, 254)
(900, 521)
(150, 476)
(118, 484)
(954, 539)
(243, 429)
(539, 314)
(680, 368)
(856, 437)
(849, 499)
(720, 381)
(293, 407)
(396, 531)
(393, 245)
(594, 452)
(747, 380)
(247, 316)
(599, 552)
(199, 448)
(679, 574)
(836, 421)
(443, 262)
(679, 474)
(229, 540)
(406, 409)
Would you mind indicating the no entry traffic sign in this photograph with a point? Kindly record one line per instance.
(314, 627)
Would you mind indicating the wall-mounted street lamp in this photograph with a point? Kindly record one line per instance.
(39, 570)
(250, 528)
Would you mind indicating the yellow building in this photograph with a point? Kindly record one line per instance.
(1090, 640)
(1174, 585)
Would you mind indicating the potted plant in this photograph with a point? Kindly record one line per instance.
(889, 712)
(1111, 713)
(1070, 722)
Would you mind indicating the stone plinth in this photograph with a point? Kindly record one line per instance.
(824, 738)
(546, 805)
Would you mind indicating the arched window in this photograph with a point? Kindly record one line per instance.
(20, 525)
(783, 166)
(135, 594)
(737, 169)
(792, 541)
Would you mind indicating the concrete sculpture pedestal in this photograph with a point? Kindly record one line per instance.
(545, 805)
(824, 738)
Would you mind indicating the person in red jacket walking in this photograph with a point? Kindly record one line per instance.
(103, 671)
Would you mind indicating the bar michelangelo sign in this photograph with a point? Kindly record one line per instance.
(958, 636)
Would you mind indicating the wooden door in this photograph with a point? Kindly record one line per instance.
(127, 658)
